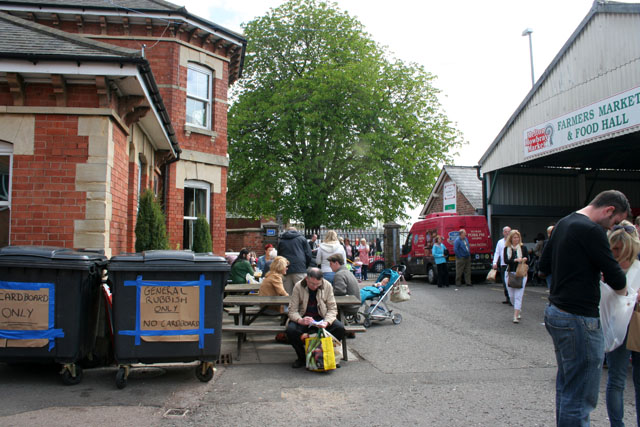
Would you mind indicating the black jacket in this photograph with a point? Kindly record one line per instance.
(294, 247)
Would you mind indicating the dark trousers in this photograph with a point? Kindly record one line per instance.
(294, 331)
(503, 270)
(365, 270)
(443, 274)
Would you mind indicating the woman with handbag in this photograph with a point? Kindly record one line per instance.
(625, 247)
(515, 257)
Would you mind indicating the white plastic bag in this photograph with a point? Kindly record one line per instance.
(250, 279)
(615, 314)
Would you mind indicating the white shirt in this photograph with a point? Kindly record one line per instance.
(499, 252)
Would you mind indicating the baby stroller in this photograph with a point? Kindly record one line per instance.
(374, 299)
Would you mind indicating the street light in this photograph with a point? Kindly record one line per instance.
(527, 32)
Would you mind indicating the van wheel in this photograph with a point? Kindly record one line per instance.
(407, 275)
(432, 275)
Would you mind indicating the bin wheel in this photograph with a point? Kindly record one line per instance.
(396, 319)
(206, 375)
(121, 378)
(366, 322)
(69, 379)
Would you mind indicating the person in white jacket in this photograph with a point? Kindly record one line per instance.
(329, 246)
(499, 264)
(625, 246)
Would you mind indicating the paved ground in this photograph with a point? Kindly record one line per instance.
(455, 360)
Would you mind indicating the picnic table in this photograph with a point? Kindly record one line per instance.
(244, 322)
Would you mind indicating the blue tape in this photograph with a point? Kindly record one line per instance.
(22, 334)
(201, 331)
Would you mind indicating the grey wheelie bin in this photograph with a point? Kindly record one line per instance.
(50, 300)
(167, 307)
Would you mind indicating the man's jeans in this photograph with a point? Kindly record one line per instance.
(579, 347)
(618, 362)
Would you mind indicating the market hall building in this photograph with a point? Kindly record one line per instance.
(576, 133)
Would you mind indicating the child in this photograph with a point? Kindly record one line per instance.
(357, 264)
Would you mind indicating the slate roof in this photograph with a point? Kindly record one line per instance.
(25, 39)
(148, 5)
(466, 179)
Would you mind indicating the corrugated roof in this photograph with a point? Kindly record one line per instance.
(599, 6)
(25, 38)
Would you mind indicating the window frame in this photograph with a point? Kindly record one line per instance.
(197, 185)
(208, 101)
(6, 150)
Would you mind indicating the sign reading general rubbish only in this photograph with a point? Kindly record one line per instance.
(610, 115)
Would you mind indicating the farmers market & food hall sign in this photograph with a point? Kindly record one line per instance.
(613, 114)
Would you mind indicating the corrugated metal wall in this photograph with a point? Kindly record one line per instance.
(604, 60)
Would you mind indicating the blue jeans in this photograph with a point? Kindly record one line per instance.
(329, 276)
(579, 347)
(618, 361)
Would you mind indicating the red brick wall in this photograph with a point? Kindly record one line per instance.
(120, 196)
(252, 240)
(45, 203)
(463, 207)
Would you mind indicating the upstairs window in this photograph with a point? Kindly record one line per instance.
(199, 94)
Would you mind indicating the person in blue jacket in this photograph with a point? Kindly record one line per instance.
(463, 258)
(441, 262)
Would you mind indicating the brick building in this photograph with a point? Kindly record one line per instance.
(468, 199)
(100, 100)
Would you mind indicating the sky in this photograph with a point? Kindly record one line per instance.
(474, 48)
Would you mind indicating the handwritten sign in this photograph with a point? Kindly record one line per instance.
(24, 310)
(169, 308)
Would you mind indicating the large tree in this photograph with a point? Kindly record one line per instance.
(325, 127)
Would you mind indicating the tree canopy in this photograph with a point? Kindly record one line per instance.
(327, 128)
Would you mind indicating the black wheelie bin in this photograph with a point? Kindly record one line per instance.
(167, 307)
(50, 301)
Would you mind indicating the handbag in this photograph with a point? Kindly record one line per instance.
(400, 292)
(522, 270)
(633, 336)
(491, 277)
(514, 281)
(319, 353)
(615, 314)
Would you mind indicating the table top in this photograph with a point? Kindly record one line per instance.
(278, 300)
(240, 288)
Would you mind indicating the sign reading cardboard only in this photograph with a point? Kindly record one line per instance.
(610, 115)
(449, 197)
(169, 308)
(24, 310)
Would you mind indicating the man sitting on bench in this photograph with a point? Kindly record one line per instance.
(312, 305)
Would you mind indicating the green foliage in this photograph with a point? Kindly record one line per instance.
(151, 231)
(325, 128)
(201, 236)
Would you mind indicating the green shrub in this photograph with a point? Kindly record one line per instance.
(151, 230)
(201, 236)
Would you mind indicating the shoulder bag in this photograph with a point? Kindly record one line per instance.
(514, 281)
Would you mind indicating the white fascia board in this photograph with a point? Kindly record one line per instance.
(160, 129)
(160, 16)
(70, 68)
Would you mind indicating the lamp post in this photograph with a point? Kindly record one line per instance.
(527, 32)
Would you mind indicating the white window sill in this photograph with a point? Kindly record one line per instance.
(188, 130)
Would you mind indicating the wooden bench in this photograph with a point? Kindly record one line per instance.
(245, 303)
(249, 329)
(234, 311)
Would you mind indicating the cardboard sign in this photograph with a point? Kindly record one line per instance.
(24, 310)
(169, 308)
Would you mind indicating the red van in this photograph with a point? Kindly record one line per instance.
(416, 252)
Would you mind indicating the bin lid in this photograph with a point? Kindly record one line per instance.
(50, 257)
(168, 259)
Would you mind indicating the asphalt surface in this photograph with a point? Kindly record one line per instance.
(455, 360)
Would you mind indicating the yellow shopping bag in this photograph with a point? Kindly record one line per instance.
(319, 352)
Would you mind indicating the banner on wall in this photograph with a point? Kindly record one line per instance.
(610, 115)
(449, 197)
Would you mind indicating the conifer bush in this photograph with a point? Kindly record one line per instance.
(201, 235)
(151, 230)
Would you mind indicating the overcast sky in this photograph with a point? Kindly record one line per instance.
(475, 48)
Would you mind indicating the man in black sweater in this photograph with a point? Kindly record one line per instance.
(576, 255)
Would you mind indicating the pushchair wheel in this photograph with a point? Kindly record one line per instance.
(396, 319)
(366, 322)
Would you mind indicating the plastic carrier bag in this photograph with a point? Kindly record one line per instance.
(319, 352)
